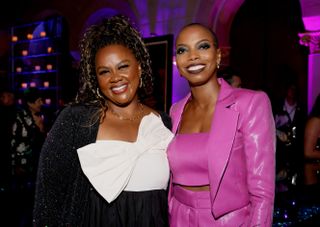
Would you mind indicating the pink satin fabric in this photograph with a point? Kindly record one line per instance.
(241, 159)
(193, 208)
(188, 208)
(188, 160)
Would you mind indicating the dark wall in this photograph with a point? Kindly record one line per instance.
(265, 46)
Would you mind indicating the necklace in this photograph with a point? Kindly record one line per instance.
(136, 116)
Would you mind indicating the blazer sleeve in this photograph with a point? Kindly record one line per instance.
(54, 170)
(259, 144)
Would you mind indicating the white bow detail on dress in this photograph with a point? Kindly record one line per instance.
(109, 164)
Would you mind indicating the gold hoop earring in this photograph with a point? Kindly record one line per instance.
(98, 94)
(218, 65)
(140, 83)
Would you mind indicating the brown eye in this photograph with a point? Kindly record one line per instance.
(204, 46)
(103, 72)
(181, 50)
(122, 67)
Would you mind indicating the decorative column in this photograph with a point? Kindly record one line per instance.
(312, 40)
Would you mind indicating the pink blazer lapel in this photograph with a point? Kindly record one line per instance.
(176, 112)
(223, 129)
(222, 135)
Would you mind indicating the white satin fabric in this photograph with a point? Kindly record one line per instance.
(113, 166)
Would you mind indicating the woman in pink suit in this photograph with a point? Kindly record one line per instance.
(222, 158)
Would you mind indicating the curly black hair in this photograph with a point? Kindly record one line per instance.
(114, 30)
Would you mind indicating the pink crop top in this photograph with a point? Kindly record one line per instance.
(188, 159)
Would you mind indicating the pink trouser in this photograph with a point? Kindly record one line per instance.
(190, 209)
(193, 209)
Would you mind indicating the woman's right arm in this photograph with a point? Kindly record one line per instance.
(54, 171)
(311, 135)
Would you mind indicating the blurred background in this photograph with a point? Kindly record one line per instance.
(269, 44)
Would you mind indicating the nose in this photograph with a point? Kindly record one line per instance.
(115, 77)
(193, 55)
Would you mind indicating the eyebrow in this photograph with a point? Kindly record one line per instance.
(200, 41)
(126, 61)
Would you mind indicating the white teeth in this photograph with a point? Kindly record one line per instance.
(118, 88)
(195, 67)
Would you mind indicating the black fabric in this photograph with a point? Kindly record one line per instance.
(26, 143)
(62, 190)
(289, 154)
(130, 209)
(7, 118)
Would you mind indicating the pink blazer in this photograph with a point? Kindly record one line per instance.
(241, 150)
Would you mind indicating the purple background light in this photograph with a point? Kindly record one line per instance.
(313, 79)
(180, 86)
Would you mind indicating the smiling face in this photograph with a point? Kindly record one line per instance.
(118, 74)
(196, 55)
